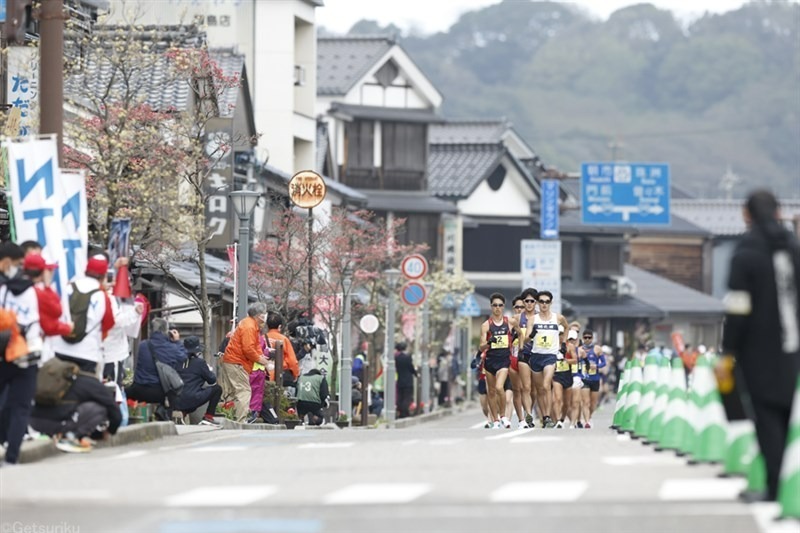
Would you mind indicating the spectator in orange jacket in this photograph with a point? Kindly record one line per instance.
(274, 325)
(242, 351)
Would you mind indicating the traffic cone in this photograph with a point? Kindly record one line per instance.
(789, 484)
(740, 440)
(122, 285)
(710, 421)
(662, 399)
(757, 474)
(645, 409)
(675, 424)
(619, 407)
(633, 399)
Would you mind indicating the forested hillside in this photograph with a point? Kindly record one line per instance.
(722, 92)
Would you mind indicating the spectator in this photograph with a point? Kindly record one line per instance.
(87, 410)
(87, 351)
(243, 349)
(762, 326)
(127, 323)
(443, 376)
(405, 379)
(274, 327)
(50, 310)
(312, 397)
(199, 384)
(359, 362)
(258, 379)
(147, 387)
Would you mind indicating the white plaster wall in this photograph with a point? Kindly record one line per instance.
(512, 199)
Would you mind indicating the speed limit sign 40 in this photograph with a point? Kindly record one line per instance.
(414, 266)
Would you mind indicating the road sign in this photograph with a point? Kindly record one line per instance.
(414, 266)
(549, 216)
(469, 307)
(413, 293)
(625, 193)
(307, 189)
(369, 323)
(541, 268)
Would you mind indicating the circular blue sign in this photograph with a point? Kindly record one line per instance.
(413, 293)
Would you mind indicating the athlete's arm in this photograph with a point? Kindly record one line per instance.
(486, 344)
(562, 336)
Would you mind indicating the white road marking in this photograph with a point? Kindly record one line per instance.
(540, 491)
(765, 514)
(701, 489)
(323, 445)
(377, 493)
(509, 434)
(221, 496)
(534, 440)
(623, 437)
(221, 449)
(636, 460)
(197, 443)
(444, 442)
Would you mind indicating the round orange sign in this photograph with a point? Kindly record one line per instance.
(307, 189)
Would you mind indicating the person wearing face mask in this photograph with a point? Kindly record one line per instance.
(242, 351)
(18, 377)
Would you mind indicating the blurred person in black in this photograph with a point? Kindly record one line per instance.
(762, 326)
(200, 385)
(405, 379)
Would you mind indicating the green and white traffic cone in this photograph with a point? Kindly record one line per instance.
(740, 440)
(676, 424)
(645, 408)
(710, 421)
(619, 407)
(633, 399)
(662, 399)
(757, 474)
(789, 484)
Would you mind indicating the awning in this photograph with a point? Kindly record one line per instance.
(390, 114)
(406, 202)
(608, 307)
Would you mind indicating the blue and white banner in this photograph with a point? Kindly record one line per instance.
(49, 206)
(549, 208)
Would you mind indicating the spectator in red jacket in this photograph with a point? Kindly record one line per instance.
(41, 273)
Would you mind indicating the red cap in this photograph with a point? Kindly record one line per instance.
(97, 265)
(35, 262)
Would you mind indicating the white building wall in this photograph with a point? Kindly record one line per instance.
(512, 199)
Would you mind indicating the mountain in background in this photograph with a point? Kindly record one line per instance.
(722, 92)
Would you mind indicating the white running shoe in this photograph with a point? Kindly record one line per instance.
(559, 424)
(506, 422)
(497, 425)
(522, 425)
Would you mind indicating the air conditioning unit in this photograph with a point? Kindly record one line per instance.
(299, 75)
(621, 286)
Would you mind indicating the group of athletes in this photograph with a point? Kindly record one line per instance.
(535, 362)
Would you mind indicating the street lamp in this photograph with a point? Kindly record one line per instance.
(244, 202)
(392, 277)
(346, 368)
(426, 349)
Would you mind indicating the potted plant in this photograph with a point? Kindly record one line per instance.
(342, 420)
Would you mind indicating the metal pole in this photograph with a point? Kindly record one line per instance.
(244, 261)
(346, 370)
(310, 249)
(365, 386)
(51, 73)
(426, 356)
(278, 380)
(390, 388)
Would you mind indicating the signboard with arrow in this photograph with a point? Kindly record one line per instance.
(634, 194)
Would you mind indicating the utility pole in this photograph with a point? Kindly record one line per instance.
(51, 70)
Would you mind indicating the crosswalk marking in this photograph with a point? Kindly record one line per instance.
(701, 489)
(539, 491)
(509, 434)
(323, 445)
(377, 493)
(636, 460)
(221, 496)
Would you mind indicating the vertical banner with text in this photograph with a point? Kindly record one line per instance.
(549, 208)
(23, 87)
(541, 268)
(219, 152)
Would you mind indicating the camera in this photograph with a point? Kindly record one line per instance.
(310, 335)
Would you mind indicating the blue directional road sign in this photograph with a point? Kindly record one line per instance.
(625, 193)
(549, 207)
(413, 293)
(469, 307)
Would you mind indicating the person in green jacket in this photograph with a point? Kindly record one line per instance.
(312, 397)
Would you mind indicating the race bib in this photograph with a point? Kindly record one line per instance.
(575, 368)
(562, 366)
(592, 370)
(544, 341)
(500, 341)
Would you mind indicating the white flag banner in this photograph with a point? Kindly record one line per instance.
(71, 188)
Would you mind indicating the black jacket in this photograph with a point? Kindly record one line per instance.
(85, 388)
(405, 370)
(195, 374)
(753, 331)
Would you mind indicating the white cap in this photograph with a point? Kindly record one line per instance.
(701, 349)
(572, 335)
(606, 349)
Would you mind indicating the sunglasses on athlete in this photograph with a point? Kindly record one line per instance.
(519, 307)
(529, 301)
(545, 302)
(498, 305)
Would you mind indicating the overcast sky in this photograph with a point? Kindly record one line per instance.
(431, 16)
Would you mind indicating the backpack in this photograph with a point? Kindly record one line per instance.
(79, 311)
(54, 381)
(12, 343)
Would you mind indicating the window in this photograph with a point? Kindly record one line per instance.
(387, 73)
(404, 146)
(420, 228)
(359, 139)
(495, 180)
(605, 259)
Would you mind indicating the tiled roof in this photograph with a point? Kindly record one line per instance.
(672, 298)
(341, 61)
(406, 202)
(468, 132)
(724, 217)
(677, 226)
(455, 170)
(160, 90)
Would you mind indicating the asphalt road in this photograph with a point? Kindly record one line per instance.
(446, 475)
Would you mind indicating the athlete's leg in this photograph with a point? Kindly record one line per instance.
(516, 387)
(526, 392)
(491, 392)
(546, 398)
(537, 379)
(558, 400)
(585, 403)
(499, 387)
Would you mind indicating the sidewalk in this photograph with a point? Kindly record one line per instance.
(36, 450)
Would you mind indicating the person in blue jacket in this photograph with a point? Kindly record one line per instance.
(593, 360)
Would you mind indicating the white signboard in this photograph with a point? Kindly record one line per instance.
(541, 268)
(23, 87)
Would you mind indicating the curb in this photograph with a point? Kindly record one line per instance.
(39, 449)
(230, 424)
(428, 417)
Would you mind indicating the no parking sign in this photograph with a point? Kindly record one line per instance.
(413, 294)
